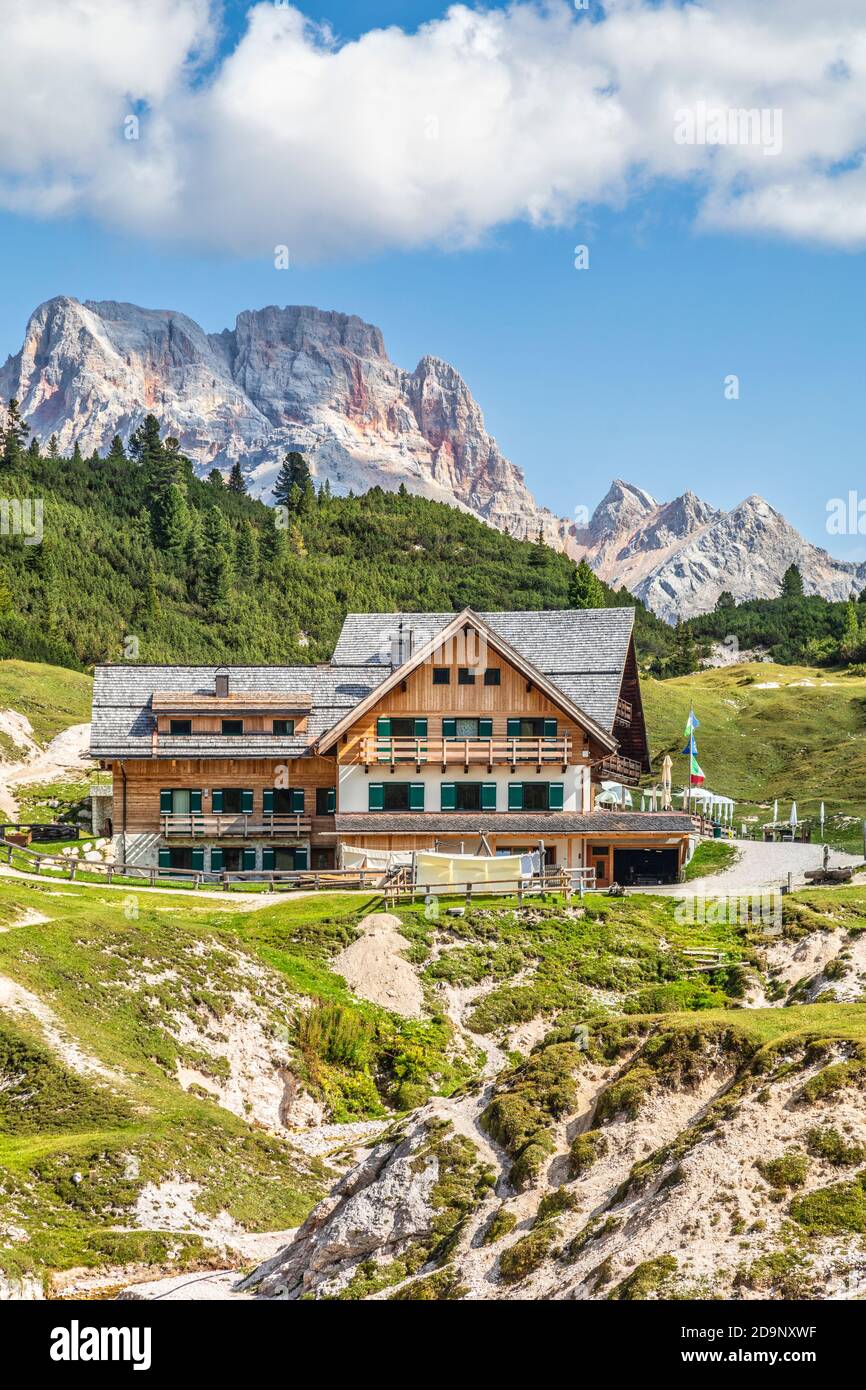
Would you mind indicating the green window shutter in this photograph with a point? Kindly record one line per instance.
(485, 728)
(300, 859)
(195, 802)
(383, 727)
(216, 860)
(515, 796)
(416, 796)
(514, 728)
(449, 728)
(550, 728)
(488, 796)
(267, 800)
(420, 728)
(216, 801)
(297, 801)
(555, 795)
(249, 860)
(376, 794)
(448, 796)
(166, 802)
(198, 859)
(267, 859)
(332, 800)
(165, 858)
(246, 801)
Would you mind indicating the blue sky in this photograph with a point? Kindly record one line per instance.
(617, 370)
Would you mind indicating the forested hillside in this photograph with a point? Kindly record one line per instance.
(142, 561)
(794, 628)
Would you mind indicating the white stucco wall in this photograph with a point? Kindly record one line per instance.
(354, 783)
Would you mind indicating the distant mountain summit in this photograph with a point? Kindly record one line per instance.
(321, 382)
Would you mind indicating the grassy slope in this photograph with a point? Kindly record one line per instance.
(86, 963)
(799, 742)
(51, 697)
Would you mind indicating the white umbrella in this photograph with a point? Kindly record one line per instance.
(821, 815)
(775, 811)
(793, 817)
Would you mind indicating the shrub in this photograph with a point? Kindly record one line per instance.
(788, 1171)
(501, 1224)
(829, 1144)
(585, 1149)
(646, 1280)
(527, 1254)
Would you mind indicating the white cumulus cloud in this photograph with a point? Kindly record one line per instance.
(435, 137)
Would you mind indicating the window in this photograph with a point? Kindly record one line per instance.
(181, 858)
(467, 796)
(326, 801)
(491, 675)
(283, 801)
(441, 675)
(231, 801)
(465, 676)
(285, 858)
(181, 728)
(467, 728)
(396, 796)
(232, 728)
(532, 728)
(284, 728)
(406, 728)
(179, 801)
(535, 796)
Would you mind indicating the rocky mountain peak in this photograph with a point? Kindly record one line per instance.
(319, 381)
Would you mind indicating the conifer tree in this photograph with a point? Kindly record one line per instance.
(585, 589)
(15, 431)
(237, 482)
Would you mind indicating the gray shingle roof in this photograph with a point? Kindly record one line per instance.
(513, 823)
(583, 651)
(123, 721)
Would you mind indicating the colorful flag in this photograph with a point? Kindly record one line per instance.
(696, 773)
(692, 723)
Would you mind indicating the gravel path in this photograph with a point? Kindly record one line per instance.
(759, 865)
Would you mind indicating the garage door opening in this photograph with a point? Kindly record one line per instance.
(645, 866)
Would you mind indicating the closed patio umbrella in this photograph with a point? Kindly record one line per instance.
(667, 764)
(793, 816)
(775, 811)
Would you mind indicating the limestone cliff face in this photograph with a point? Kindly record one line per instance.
(322, 382)
(292, 378)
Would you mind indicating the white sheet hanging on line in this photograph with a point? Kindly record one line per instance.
(434, 870)
(354, 857)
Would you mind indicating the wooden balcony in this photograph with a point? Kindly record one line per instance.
(243, 827)
(466, 752)
(619, 769)
(623, 714)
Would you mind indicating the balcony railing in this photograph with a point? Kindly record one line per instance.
(462, 752)
(623, 713)
(228, 823)
(619, 769)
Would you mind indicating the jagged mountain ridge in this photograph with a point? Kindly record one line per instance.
(322, 382)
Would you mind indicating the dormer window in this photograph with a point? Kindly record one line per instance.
(232, 728)
(180, 728)
(284, 728)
